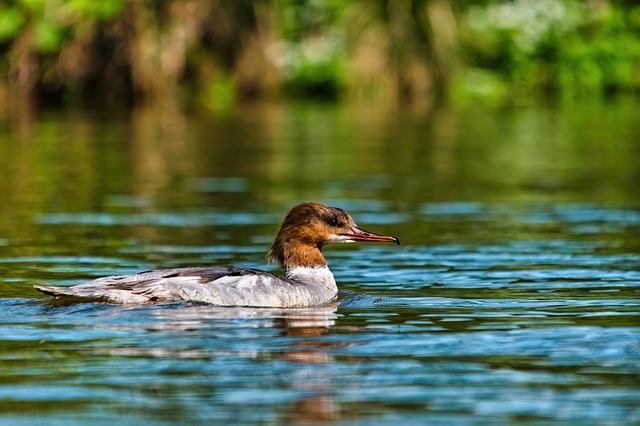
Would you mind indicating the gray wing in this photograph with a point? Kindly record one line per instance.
(225, 286)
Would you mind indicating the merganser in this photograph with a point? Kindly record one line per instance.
(297, 249)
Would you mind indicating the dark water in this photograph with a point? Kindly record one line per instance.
(514, 298)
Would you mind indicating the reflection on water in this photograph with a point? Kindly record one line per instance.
(513, 299)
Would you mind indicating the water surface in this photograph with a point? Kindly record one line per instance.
(514, 298)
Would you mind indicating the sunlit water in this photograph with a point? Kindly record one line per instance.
(513, 299)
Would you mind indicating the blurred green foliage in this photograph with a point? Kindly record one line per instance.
(491, 50)
(219, 94)
(53, 21)
(567, 47)
(10, 22)
(312, 47)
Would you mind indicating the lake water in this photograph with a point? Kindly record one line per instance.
(513, 299)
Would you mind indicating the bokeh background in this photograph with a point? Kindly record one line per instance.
(217, 53)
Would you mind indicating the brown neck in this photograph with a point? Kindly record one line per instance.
(289, 256)
(304, 256)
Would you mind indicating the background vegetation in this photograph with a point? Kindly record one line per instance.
(218, 52)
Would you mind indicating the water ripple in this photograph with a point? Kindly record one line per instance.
(524, 314)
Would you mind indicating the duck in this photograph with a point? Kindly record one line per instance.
(297, 249)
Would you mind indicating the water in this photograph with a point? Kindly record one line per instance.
(513, 299)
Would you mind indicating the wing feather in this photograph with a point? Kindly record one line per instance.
(224, 285)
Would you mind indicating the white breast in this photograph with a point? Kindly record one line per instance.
(302, 287)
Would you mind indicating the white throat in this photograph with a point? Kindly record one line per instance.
(320, 275)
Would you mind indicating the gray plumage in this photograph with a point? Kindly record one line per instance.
(297, 248)
(221, 286)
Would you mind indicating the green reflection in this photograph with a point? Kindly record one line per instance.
(282, 153)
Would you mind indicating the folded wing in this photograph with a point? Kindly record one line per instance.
(224, 286)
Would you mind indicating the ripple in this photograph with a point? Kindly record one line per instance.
(178, 219)
(523, 314)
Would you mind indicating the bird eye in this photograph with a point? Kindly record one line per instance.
(333, 221)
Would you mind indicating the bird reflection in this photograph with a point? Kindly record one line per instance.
(218, 333)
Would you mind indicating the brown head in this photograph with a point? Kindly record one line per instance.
(308, 227)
